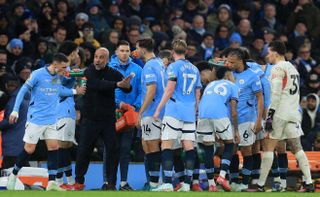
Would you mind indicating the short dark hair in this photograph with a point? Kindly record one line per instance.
(192, 43)
(60, 57)
(123, 42)
(203, 65)
(166, 53)
(60, 27)
(67, 47)
(3, 52)
(179, 46)
(221, 72)
(225, 52)
(87, 25)
(146, 43)
(279, 47)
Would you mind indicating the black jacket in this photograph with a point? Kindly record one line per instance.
(99, 100)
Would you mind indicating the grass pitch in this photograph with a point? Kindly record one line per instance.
(153, 194)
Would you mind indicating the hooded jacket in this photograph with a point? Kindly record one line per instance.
(134, 97)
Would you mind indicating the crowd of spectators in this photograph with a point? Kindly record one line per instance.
(31, 32)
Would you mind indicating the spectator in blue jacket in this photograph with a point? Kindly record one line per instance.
(12, 134)
(122, 62)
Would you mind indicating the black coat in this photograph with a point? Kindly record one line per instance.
(99, 100)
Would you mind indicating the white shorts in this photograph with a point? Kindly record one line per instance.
(247, 136)
(66, 128)
(151, 130)
(176, 144)
(34, 132)
(283, 129)
(207, 129)
(174, 129)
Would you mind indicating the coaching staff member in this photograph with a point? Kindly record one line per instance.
(98, 113)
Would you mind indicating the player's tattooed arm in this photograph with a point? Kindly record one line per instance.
(234, 118)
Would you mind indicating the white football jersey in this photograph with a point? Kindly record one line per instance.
(285, 91)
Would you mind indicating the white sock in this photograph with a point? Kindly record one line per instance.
(211, 182)
(245, 185)
(303, 178)
(277, 179)
(152, 184)
(223, 173)
(283, 183)
(254, 181)
(266, 163)
(123, 183)
(304, 165)
(59, 181)
(195, 182)
(70, 180)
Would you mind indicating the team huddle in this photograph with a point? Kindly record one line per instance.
(251, 107)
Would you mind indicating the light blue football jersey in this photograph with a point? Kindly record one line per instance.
(267, 71)
(256, 68)
(215, 99)
(182, 103)
(45, 89)
(249, 84)
(266, 88)
(66, 106)
(153, 72)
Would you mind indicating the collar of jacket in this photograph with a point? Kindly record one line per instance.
(115, 62)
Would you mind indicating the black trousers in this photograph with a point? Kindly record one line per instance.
(90, 131)
(122, 156)
(8, 161)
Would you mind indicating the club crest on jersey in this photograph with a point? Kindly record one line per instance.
(241, 81)
(55, 81)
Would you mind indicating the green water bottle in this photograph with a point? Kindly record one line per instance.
(216, 63)
(83, 81)
(72, 73)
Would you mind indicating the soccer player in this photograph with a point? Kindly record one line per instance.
(181, 98)
(152, 84)
(283, 120)
(249, 121)
(66, 120)
(45, 86)
(280, 161)
(214, 121)
(265, 84)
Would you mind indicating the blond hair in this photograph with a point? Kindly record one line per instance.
(179, 46)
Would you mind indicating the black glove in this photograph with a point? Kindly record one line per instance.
(268, 126)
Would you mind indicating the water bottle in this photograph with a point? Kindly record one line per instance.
(216, 63)
(83, 81)
(79, 73)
